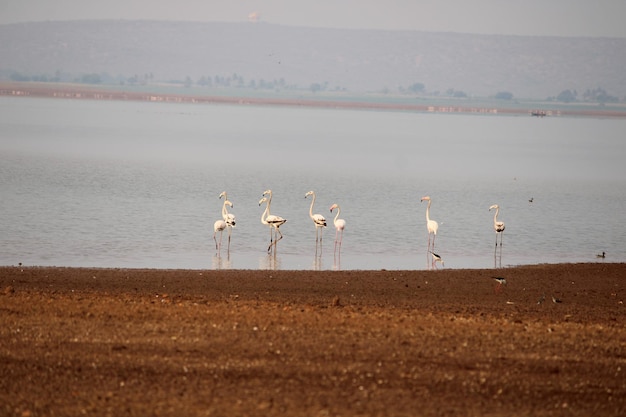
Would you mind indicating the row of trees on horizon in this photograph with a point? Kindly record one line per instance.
(595, 95)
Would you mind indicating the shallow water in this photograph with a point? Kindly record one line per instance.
(132, 184)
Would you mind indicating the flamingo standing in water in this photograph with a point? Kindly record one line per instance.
(499, 227)
(218, 226)
(318, 220)
(229, 218)
(274, 222)
(340, 225)
(431, 225)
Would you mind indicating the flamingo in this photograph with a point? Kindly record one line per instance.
(271, 220)
(499, 228)
(218, 226)
(318, 220)
(265, 222)
(431, 225)
(229, 219)
(340, 224)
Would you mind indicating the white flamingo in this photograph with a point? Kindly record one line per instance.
(431, 225)
(498, 226)
(274, 222)
(229, 218)
(340, 225)
(218, 226)
(265, 222)
(318, 220)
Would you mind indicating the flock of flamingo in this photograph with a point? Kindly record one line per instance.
(274, 222)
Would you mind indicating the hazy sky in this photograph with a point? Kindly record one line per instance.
(516, 17)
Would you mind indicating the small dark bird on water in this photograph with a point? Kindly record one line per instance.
(531, 199)
(601, 255)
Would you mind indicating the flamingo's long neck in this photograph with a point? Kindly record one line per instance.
(337, 215)
(495, 216)
(311, 208)
(224, 210)
(428, 212)
(269, 201)
(265, 213)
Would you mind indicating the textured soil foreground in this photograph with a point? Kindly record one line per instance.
(292, 343)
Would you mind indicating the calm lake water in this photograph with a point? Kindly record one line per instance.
(134, 184)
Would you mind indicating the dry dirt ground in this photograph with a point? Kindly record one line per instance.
(334, 343)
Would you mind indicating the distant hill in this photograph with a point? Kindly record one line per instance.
(290, 57)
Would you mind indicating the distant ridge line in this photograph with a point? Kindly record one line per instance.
(296, 58)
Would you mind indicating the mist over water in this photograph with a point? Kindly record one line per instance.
(132, 184)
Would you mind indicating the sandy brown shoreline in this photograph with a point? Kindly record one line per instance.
(290, 343)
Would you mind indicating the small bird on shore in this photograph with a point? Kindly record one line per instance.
(499, 283)
(436, 258)
(556, 300)
(542, 299)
